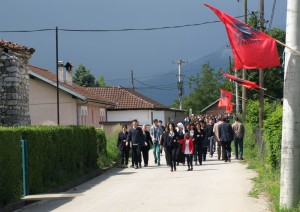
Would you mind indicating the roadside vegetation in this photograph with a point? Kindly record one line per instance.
(262, 150)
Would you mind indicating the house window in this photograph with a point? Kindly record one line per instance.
(102, 113)
(83, 114)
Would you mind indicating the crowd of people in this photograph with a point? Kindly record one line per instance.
(188, 142)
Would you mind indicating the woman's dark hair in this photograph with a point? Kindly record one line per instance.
(170, 123)
(124, 125)
(187, 135)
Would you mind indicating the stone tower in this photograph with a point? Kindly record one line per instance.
(14, 84)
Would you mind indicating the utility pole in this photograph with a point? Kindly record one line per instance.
(244, 90)
(132, 80)
(57, 81)
(237, 105)
(261, 71)
(180, 81)
(290, 148)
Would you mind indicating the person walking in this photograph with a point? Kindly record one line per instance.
(198, 144)
(217, 140)
(163, 143)
(146, 147)
(172, 143)
(163, 129)
(225, 133)
(179, 154)
(204, 141)
(123, 146)
(209, 136)
(188, 150)
(239, 132)
(136, 137)
(155, 133)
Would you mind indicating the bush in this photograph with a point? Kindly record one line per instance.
(10, 165)
(56, 155)
(272, 136)
(112, 151)
(103, 160)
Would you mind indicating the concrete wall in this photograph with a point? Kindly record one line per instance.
(145, 116)
(43, 107)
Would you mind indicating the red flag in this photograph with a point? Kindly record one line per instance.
(251, 48)
(229, 107)
(245, 83)
(225, 98)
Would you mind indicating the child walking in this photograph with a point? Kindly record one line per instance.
(188, 150)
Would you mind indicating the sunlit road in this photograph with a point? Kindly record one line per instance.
(214, 186)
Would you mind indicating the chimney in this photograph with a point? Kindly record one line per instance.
(69, 73)
(61, 71)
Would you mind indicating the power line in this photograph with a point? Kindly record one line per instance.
(114, 30)
(272, 15)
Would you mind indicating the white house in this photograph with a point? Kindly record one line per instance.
(130, 105)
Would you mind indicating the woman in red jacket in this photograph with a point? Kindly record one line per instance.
(188, 150)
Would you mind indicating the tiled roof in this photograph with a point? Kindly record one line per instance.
(14, 46)
(82, 91)
(125, 98)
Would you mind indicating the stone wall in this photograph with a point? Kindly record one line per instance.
(14, 87)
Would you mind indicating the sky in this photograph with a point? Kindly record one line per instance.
(115, 54)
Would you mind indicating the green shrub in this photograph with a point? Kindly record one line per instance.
(10, 165)
(268, 168)
(272, 136)
(112, 150)
(56, 155)
(103, 160)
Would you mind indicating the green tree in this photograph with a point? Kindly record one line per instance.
(205, 86)
(84, 77)
(101, 82)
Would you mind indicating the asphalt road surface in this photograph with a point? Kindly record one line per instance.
(214, 186)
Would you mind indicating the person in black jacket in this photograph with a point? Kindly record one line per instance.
(163, 143)
(209, 136)
(136, 137)
(198, 143)
(146, 147)
(226, 136)
(172, 143)
(123, 146)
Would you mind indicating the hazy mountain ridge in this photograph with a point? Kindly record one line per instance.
(168, 93)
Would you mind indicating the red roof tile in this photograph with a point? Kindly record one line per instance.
(125, 98)
(83, 91)
(14, 46)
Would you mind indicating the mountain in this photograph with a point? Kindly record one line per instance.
(165, 88)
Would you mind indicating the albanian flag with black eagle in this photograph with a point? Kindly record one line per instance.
(251, 48)
(225, 100)
(246, 83)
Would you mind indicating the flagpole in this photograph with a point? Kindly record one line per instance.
(261, 72)
(237, 95)
(283, 44)
(244, 76)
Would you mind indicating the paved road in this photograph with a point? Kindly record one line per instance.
(214, 186)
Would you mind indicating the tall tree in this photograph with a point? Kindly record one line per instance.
(83, 76)
(205, 85)
(101, 82)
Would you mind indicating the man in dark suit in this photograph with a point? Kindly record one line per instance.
(225, 133)
(136, 137)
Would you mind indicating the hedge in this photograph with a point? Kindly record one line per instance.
(10, 165)
(56, 155)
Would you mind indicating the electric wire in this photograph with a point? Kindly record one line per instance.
(114, 30)
(272, 14)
